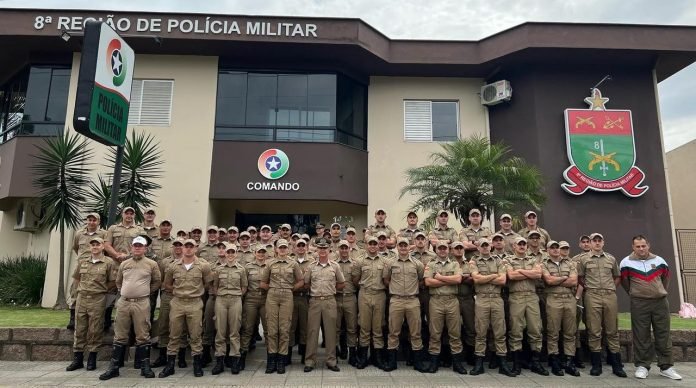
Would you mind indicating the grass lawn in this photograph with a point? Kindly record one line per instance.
(40, 317)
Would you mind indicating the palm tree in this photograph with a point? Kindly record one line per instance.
(142, 160)
(472, 173)
(98, 197)
(62, 171)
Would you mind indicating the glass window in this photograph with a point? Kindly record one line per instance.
(261, 99)
(292, 100)
(58, 95)
(38, 89)
(322, 100)
(231, 99)
(444, 121)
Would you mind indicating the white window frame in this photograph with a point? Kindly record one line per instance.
(430, 109)
(139, 122)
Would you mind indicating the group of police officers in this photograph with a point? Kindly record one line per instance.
(444, 298)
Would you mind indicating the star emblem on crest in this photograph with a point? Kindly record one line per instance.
(273, 163)
(596, 101)
(116, 62)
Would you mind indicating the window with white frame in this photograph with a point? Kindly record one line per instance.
(151, 102)
(427, 121)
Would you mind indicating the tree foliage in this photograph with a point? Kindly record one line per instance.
(472, 173)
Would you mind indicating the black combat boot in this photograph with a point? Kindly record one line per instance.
(379, 358)
(280, 363)
(616, 365)
(391, 360)
(242, 360)
(161, 358)
(445, 356)
(556, 365)
(92, 361)
(362, 357)
(570, 366)
(77, 362)
(577, 359)
(235, 367)
(206, 358)
(169, 369)
(516, 369)
(182, 358)
(219, 365)
(271, 363)
(353, 356)
(596, 359)
(145, 370)
(136, 359)
(116, 355)
(343, 346)
(469, 355)
(409, 354)
(478, 366)
(228, 359)
(434, 363)
(494, 361)
(197, 366)
(288, 359)
(505, 367)
(122, 357)
(536, 366)
(71, 322)
(301, 350)
(420, 362)
(458, 363)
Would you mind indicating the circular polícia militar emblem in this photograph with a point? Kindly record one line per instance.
(116, 62)
(273, 163)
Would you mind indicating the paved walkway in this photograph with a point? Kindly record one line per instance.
(53, 373)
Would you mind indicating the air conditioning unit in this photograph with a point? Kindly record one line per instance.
(28, 215)
(495, 93)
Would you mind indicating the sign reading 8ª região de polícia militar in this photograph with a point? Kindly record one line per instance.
(104, 85)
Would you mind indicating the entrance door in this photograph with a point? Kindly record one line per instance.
(301, 223)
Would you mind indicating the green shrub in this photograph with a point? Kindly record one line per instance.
(22, 279)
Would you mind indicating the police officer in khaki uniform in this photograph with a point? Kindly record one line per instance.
(489, 274)
(530, 218)
(383, 245)
(187, 279)
(403, 276)
(599, 274)
(82, 248)
(584, 245)
(230, 282)
(443, 277)
(196, 233)
(281, 277)
(561, 277)
(409, 232)
(233, 238)
(354, 248)
(266, 239)
(300, 301)
(149, 224)
(522, 273)
(381, 226)
(246, 253)
(347, 303)
(424, 255)
(465, 296)
(208, 250)
(372, 298)
(254, 308)
(94, 276)
(507, 232)
(160, 248)
(472, 233)
(165, 306)
(324, 278)
(442, 231)
(137, 278)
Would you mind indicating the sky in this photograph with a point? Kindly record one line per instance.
(457, 20)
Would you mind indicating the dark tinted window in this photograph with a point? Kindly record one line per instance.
(444, 121)
(261, 99)
(231, 98)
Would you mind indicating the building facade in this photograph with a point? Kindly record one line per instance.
(350, 108)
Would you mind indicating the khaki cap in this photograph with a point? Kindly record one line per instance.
(595, 235)
(212, 227)
(457, 244)
(166, 220)
(295, 236)
(149, 210)
(245, 234)
(95, 215)
(286, 226)
(587, 236)
(250, 228)
(125, 209)
(533, 232)
(505, 216)
(178, 240)
(520, 239)
(441, 243)
(140, 240)
(343, 243)
(319, 225)
(411, 212)
(335, 224)
(371, 239)
(190, 241)
(484, 240)
(401, 240)
(552, 242)
(381, 233)
(322, 243)
(351, 229)
(301, 241)
(530, 212)
(198, 228)
(265, 227)
(563, 244)
(282, 243)
(230, 247)
(439, 212)
(305, 237)
(261, 247)
(497, 235)
(222, 230)
(233, 229)
(418, 234)
(182, 231)
(223, 243)
(472, 211)
(97, 239)
(379, 209)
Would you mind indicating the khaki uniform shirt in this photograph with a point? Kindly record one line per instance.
(121, 237)
(245, 256)
(95, 276)
(152, 231)
(404, 274)
(161, 246)
(163, 265)
(322, 278)
(374, 229)
(408, 233)
(207, 252)
(526, 263)
(424, 257)
(599, 271)
(282, 273)
(388, 254)
(189, 283)
(81, 242)
(565, 267)
(229, 279)
(540, 258)
(448, 267)
(254, 271)
(138, 277)
(545, 237)
(488, 266)
(465, 289)
(347, 269)
(445, 233)
(472, 235)
(304, 262)
(509, 240)
(355, 252)
(369, 269)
